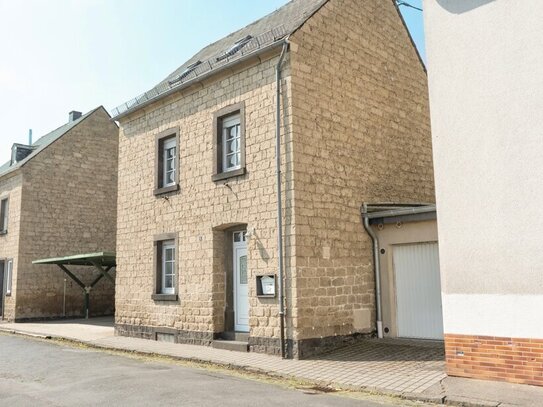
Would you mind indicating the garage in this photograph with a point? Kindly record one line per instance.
(406, 253)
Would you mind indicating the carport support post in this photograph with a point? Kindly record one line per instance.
(87, 299)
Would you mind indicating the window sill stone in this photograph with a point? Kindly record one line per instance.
(228, 174)
(165, 297)
(166, 190)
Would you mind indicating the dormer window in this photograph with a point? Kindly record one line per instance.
(235, 48)
(19, 152)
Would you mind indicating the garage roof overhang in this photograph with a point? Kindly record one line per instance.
(382, 213)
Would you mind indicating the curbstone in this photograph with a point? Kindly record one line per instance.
(469, 402)
(426, 398)
(23, 333)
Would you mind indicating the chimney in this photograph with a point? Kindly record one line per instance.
(29, 137)
(74, 115)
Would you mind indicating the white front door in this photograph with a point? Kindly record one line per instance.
(241, 283)
(418, 291)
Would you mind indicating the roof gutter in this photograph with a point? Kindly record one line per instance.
(199, 79)
(400, 212)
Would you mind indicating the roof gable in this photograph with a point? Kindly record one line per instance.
(45, 141)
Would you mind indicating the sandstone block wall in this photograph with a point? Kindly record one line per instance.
(69, 201)
(202, 209)
(361, 133)
(11, 187)
(355, 128)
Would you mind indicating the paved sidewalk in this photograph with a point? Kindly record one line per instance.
(409, 369)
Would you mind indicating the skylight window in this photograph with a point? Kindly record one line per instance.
(235, 48)
(188, 70)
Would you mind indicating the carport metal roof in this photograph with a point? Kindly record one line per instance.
(105, 259)
(101, 261)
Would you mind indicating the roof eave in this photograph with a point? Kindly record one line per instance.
(198, 79)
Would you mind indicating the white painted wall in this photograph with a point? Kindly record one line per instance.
(485, 69)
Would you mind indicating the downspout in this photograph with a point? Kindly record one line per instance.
(279, 198)
(376, 269)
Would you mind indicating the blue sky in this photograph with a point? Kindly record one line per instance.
(63, 55)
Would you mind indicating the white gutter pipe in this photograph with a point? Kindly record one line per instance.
(377, 269)
(279, 198)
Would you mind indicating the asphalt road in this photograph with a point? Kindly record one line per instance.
(40, 373)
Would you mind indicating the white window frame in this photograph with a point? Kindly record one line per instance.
(167, 245)
(4, 215)
(8, 275)
(167, 145)
(226, 124)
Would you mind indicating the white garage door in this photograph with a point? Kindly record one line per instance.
(418, 291)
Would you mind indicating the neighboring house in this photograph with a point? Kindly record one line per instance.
(197, 242)
(58, 197)
(486, 94)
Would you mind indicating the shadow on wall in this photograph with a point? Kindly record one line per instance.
(461, 6)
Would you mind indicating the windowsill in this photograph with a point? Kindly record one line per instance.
(228, 174)
(164, 297)
(3, 232)
(165, 190)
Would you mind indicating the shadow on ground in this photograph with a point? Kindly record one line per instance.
(383, 350)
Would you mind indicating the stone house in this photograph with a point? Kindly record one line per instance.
(486, 95)
(200, 216)
(58, 197)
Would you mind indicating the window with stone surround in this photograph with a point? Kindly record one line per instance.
(229, 142)
(4, 211)
(165, 267)
(167, 161)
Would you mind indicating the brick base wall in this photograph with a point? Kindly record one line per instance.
(486, 357)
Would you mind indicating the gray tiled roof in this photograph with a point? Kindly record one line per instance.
(291, 16)
(284, 20)
(43, 142)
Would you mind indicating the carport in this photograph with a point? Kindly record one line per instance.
(102, 261)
